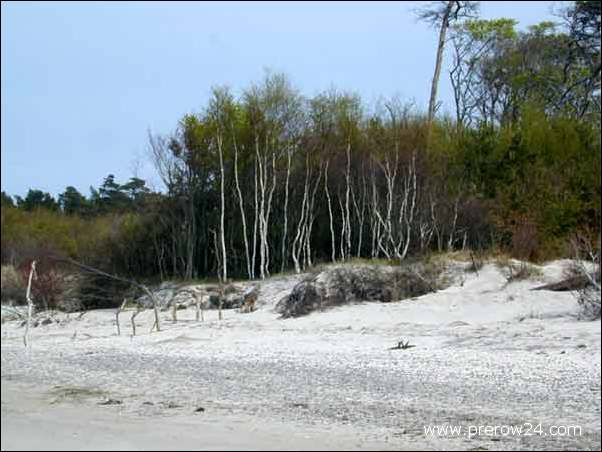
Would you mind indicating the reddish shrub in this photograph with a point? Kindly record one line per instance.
(525, 241)
(47, 284)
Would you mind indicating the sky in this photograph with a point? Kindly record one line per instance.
(83, 83)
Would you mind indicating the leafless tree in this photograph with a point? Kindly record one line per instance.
(441, 14)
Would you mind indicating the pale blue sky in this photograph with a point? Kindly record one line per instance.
(83, 82)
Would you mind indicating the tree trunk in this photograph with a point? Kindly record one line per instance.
(256, 218)
(223, 207)
(267, 214)
(438, 61)
(298, 241)
(360, 215)
(285, 215)
(262, 187)
(409, 217)
(347, 193)
(310, 219)
(242, 208)
(332, 237)
(191, 236)
(221, 300)
(452, 232)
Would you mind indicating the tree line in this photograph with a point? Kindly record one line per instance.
(270, 180)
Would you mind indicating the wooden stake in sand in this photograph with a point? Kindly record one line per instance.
(32, 274)
(199, 308)
(134, 322)
(119, 309)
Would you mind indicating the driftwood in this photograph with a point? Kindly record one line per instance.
(138, 310)
(567, 284)
(249, 305)
(119, 309)
(475, 265)
(250, 301)
(32, 274)
(118, 278)
(199, 308)
(174, 312)
(197, 302)
(221, 300)
(401, 345)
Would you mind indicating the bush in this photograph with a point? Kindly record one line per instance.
(589, 302)
(345, 284)
(587, 251)
(46, 285)
(13, 291)
(518, 271)
(477, 261)
(92, 291)
(525, 241)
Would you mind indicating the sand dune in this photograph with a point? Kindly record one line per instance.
(486, 353)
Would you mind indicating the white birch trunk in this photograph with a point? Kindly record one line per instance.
(267, 215)
(343, 229)
(347, 197)
(256, 218)
(262, 188)
(285, 216)
(298, 241)
(310, 219)
(332, 237)
(452, 232)
(223, 207)
(410, 215)
(242, 208)
(360, 215)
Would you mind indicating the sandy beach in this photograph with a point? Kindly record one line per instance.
(487, 353)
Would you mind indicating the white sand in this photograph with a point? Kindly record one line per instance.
(31, 422)
(487, 353)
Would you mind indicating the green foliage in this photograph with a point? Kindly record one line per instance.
(482, 30)
(497, 71)
(72, 202)
(541, 170)
(7, 201)
(36, 199)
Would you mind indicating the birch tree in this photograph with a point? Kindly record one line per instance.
(219, 109)
(274, 111)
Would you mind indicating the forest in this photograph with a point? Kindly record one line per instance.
(273, 181)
